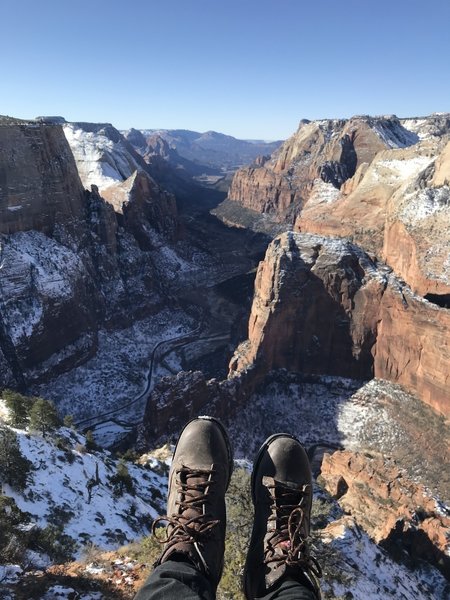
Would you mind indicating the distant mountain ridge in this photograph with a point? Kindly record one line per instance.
(210, 148)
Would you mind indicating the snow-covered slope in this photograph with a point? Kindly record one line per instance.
(71, 487)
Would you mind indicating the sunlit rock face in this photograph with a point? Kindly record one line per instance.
(383, 182)
(394, 510)
(321, 305)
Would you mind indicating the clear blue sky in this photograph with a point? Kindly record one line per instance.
(248, 68)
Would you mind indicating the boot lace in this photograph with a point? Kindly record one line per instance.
(287, 543)
(192, 486)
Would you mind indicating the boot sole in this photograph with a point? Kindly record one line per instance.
(224, 435)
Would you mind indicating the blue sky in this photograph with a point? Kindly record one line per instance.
(250, 69)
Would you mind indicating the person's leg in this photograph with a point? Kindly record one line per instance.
(174, 579)
(191, 563)
(291, 590)
(279, 565)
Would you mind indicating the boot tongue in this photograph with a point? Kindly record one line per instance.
(193, 489)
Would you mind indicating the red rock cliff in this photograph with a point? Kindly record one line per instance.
(382, 182)
(322, 306)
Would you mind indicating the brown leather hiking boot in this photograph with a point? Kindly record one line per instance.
(199, 476)
(282, 496)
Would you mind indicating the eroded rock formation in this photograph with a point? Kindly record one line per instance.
(71, 260)
(396, 512)
(322, 305)
(328, 151)
(382, 182)
(177, 399)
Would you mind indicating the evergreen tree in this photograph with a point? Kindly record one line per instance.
(14, 467)
(122, 480)
(18, 406)
(68, 421)
(43, 416)
(90, 441)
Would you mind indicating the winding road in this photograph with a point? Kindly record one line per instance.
(102, 418)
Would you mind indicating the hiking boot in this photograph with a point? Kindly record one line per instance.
(282, 496)
(199, 476)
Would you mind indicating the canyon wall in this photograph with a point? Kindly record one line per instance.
(72, 260)
(39, 183)
(381, 182)
(321, 305)
(330, 151)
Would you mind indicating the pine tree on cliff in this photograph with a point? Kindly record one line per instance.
(43, 416)
(18, 406)
(122, 479)
(14, 467)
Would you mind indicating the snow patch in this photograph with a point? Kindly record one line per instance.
(100, 160)
(404, 169)
(10, 573)
(34, 267)
(74, 485)
(394, 135)
(425, 203)
(369, 573)
(323, 193)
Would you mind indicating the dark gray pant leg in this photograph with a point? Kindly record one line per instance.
(290, 590)
(175, 579)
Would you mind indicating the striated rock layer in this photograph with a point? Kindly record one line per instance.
(39, 183)
(322, 306)
(382, 182)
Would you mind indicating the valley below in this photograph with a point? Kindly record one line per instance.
(138, 290)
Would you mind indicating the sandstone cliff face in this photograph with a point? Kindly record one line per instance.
(70, 259)
(322, 306)
(395, 511)
(105, 159)
(417, 228)
(39, 184)
(303, 315)
(394, 209)
(329, 151)
(140, 202)
(382, 182)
